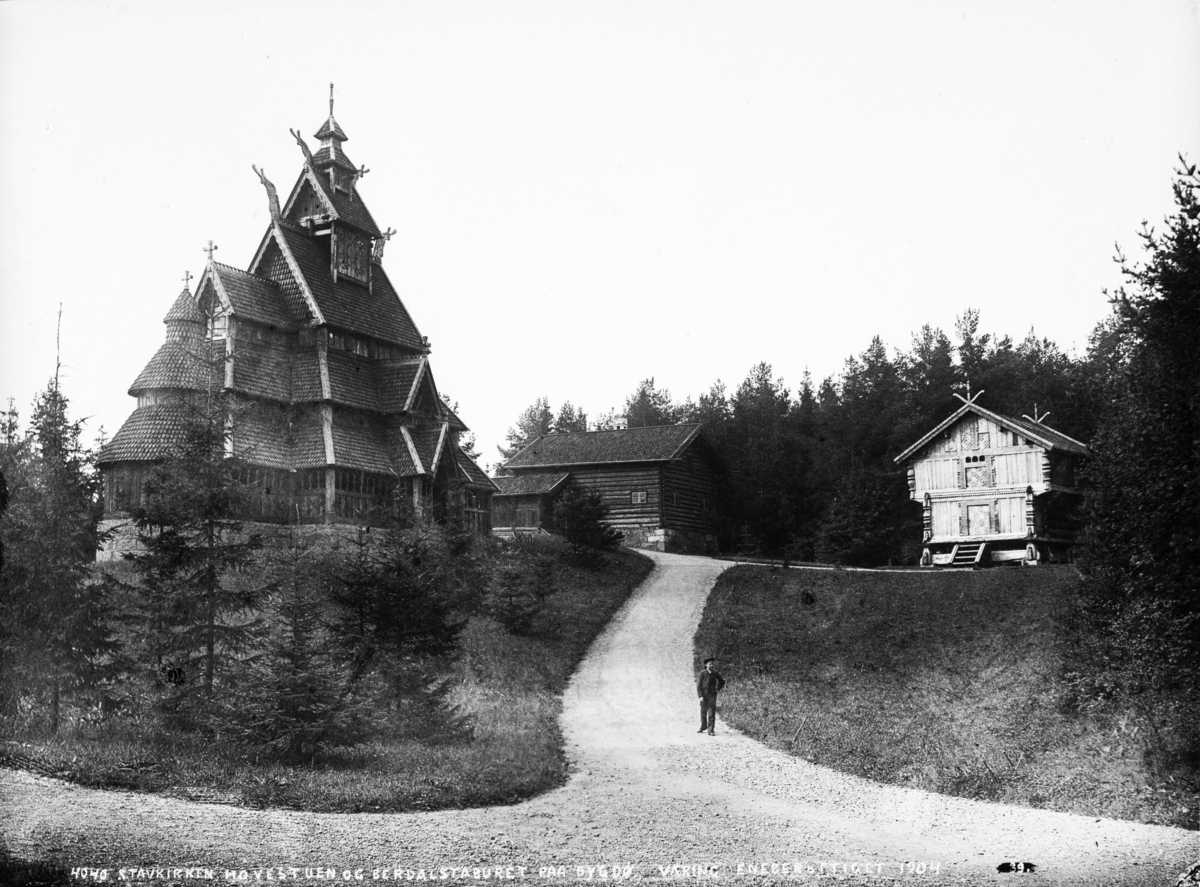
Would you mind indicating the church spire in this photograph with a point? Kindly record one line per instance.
(330, 134)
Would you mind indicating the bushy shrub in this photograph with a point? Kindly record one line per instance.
(579, 515)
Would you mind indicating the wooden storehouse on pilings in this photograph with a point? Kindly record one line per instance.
(994, 489)
(656, 481)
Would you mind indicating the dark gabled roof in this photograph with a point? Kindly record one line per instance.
(149, 434)
(428, 442)
(394, 380)
(375, 313)
(252, 297)
(406, 331)
(473, 473)
(273, 264)
(532, 484)
(175, 365)
(456, 424)
(1042, 434)
(352, 210)
(184, 310)
(655, 443)
(398, 447)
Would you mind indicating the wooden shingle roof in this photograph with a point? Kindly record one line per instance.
(184, 310)
(429, 443)
(474, 475)
(149, 434)
(374, 313)
(655, 443)
(362, 446)
(253, 297)
(1036, 431)
(180, 366)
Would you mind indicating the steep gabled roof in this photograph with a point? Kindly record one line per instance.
(655, 443)
(395, 383)
(532, 484)
(374, 312)
(472, 473)
(274, 261)
(252, 297)
(430, 443)
(339, 205)
(1035, 431)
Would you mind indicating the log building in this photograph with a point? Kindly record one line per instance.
(994, 489)
(657, 483)
(335, 409)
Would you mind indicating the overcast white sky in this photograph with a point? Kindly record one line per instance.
(589, 193)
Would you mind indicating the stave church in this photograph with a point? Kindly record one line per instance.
(334, 409)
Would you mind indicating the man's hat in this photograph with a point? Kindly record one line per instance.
(710, 659)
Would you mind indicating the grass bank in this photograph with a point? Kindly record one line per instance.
(507, 685)
(951, 682)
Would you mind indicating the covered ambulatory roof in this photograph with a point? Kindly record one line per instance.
(533, 484)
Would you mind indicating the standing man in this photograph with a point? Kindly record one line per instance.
(706, 688)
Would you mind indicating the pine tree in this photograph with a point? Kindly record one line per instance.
(297, 696)
(650, 405)
(570, 419)
(1142, 508)
(57, 637)
(393, 616)
(579, 515)
(536, 420)
(197, 608)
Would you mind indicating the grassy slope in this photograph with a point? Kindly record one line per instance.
(509, 685)
(949, 682)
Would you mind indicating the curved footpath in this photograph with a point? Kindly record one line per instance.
(649, 799)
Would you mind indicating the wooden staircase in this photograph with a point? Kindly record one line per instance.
(968, 554)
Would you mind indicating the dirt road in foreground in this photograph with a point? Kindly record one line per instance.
(650, 799)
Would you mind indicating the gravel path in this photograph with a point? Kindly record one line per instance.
(650, 799)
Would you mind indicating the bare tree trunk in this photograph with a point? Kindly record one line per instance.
(210, 652)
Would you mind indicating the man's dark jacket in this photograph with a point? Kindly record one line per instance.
(708, 685)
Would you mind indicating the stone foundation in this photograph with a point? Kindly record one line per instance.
(124, 539)
(663, 539)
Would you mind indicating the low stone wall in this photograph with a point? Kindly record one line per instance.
(123, 537)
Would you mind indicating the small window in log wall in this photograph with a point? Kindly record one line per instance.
(637, 497)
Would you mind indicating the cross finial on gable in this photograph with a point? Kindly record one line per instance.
(187, 278)
(210, 249)
(970, 398)
(330, 99)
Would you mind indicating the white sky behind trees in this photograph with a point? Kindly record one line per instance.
(587, 193)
